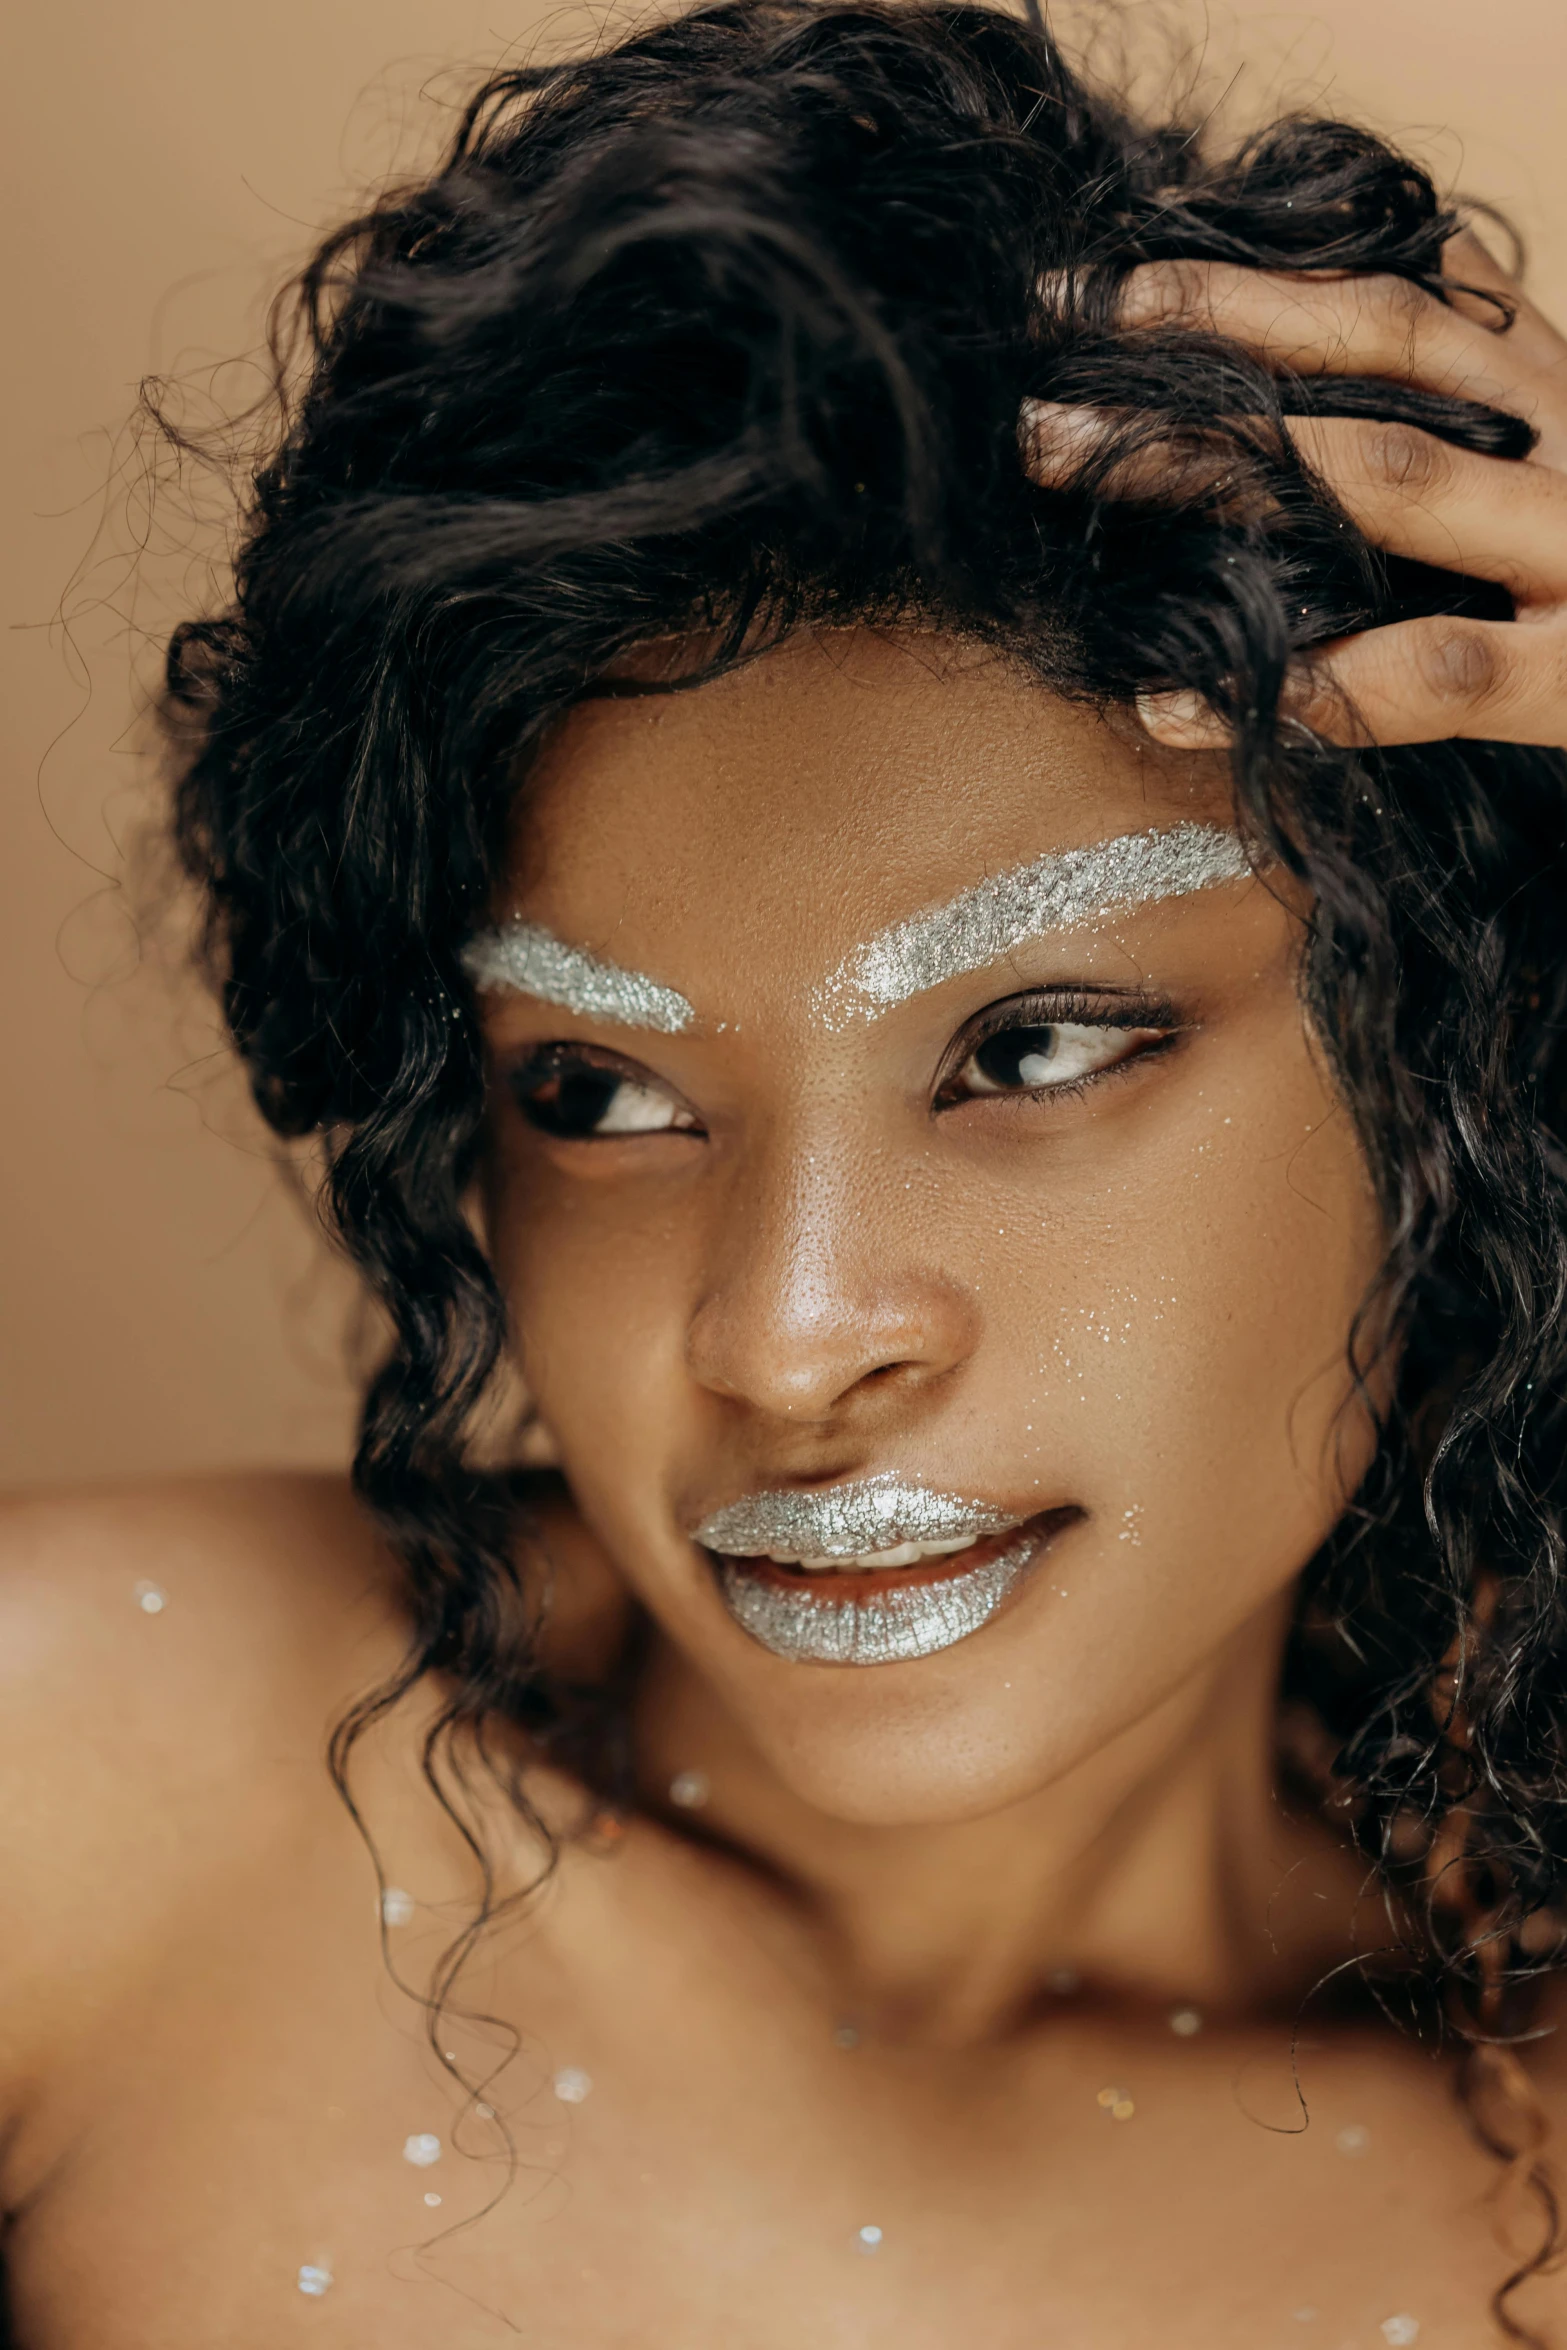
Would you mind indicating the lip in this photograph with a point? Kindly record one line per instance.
(872, 1616)
(845, 1521)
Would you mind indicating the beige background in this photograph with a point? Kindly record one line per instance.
(164, 1302)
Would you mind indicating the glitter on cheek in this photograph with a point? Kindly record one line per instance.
(150, 1598)
(870, 2239)
(314, 2281)
(571, 2085)
(1400, 2330)
(423, 2148)
(689, 1790)
(397, 1907)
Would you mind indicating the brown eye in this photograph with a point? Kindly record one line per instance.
(580, 1099)
(1039, 1059)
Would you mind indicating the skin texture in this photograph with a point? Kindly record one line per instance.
(1043, 1302)
(836, 1996)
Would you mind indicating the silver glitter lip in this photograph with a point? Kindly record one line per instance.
(531, 960)
(845, 1521)
(886, 1627)
(984, 924)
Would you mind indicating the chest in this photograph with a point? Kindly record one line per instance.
(270, 2146)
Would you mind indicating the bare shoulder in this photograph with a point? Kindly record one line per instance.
(171, 1656)
(223, 1594)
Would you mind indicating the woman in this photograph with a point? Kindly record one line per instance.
(882, 773)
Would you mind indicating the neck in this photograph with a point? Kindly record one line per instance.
(1162, 1868)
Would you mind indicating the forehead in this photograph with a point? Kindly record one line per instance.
(840, 782)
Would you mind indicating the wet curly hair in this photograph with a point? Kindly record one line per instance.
(724, 331)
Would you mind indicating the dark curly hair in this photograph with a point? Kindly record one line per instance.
(726, 331)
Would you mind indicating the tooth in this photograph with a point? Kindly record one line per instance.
(958, 1542)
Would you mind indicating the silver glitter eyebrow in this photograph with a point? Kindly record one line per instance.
(982, 925)
(527, 959)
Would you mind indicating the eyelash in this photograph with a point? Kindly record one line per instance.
(1056, 1009)
(587, 1066)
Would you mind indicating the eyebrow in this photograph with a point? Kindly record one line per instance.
(526, 959)
(982, 925)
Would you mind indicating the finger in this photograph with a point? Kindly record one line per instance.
(1058, 444)
(1420, 681)
(1469, 261)
(1379, 325)
(1419, 496)
(1439, 680)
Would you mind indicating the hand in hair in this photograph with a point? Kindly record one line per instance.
(1413, 494)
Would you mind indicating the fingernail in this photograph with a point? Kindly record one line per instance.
(1056, 438)
(1182, 718)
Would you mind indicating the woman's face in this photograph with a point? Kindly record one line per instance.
(1032, 1204)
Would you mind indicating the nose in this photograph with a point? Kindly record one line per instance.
(821, 1290)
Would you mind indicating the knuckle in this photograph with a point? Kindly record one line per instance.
(1161, 290)
(1402, 457)
(1459, 665)
(1398, 302)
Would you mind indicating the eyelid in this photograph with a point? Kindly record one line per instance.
(537, 1059)
(1048, 1007)
(1051, 1007)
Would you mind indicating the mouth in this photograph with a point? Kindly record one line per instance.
(876, 1572)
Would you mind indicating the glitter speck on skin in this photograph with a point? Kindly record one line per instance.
(870, 2239)
(433, 2200)
(689, 1790)
(423, 2148)
(152, 1602)
(1354, 2138)
(486, 2113)
(1303, 2316)
(1064, 1980)
(1400, 2329)
(1122, 2110)
(845, 2036)
(1185, 2022)
(314, 2281)
(571, 2085)
(397, 1907)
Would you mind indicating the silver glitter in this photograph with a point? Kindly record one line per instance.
(571, 2085)
(870, 2239)
(877, 1628)
(845, 1521)
(423, 2148)
(530, 960)
(397, 1907)
(314, 2281)
(689, 1790)
(1185, 2022)
(984, 924)
(1354, 2138)
(1400, 2329)
(150, 1599)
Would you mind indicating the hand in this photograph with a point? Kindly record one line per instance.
(1495, 518)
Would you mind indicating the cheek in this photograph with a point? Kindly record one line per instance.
(1187, 1345)
(594, 1283)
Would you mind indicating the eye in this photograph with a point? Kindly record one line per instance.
(580, 1096)
(1023, 1055)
